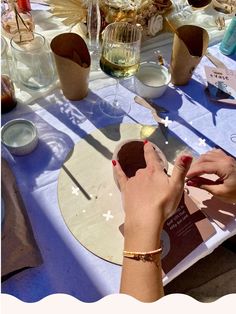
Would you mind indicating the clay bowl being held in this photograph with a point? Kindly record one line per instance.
(130, 155)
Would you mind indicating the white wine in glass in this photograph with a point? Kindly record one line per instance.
(120, 58)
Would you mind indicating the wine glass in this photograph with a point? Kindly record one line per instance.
(120, 58)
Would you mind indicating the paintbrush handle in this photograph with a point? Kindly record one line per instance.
(173, 29)
(142, 102)
(215, 61)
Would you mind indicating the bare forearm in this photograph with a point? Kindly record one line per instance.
(149, 198)
(142, 280)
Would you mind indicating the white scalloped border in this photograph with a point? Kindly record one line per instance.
(118, 303)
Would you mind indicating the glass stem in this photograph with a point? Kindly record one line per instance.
(115, 101)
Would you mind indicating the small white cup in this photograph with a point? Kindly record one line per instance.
(20, 136)
(152, 79)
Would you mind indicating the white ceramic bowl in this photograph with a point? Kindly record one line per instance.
(152, 79)
(20, 136)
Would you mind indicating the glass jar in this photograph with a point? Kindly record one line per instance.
(33, 62)
(8, 100)
(16, 20)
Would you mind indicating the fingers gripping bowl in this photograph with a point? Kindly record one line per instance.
(130, 155)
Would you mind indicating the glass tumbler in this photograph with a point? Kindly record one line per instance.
(8, 100)
(33, 62)
(5, 68)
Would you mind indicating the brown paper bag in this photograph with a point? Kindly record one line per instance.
(73, 64)
(19, 248)
(189, 45)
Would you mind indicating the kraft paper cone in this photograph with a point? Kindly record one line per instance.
(189, 45)
(73, 64)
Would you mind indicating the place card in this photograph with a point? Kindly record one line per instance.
(221, 84)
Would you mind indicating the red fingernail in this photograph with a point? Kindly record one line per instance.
(186, 160)
(114, 162)
(145, 142)
(192, 183)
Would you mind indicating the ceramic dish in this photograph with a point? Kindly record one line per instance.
(20, 136)
(152, 80)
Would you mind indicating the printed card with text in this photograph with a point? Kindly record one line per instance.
(221, 84)
(183, 232)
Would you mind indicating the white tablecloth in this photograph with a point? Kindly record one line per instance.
(68, 267)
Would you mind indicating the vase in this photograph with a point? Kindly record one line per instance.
(17, 20)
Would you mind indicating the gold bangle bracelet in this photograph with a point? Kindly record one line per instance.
(143, 256)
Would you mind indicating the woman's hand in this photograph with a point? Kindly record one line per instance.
(224, 166)
(150, 197)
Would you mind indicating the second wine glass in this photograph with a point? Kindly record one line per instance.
(120, 58)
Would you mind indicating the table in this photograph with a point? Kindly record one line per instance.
(68, 267)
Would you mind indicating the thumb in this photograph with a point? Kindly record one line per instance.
(181, 167)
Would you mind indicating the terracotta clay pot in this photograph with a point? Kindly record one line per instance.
(130, 155)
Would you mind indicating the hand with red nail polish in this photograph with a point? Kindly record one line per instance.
(218, 163)
(151, 189)
(149, 198)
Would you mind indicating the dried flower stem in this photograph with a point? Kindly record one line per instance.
(17, 17)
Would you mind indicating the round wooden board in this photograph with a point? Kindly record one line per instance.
(89, 200)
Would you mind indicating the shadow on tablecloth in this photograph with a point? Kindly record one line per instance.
(210, 278)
